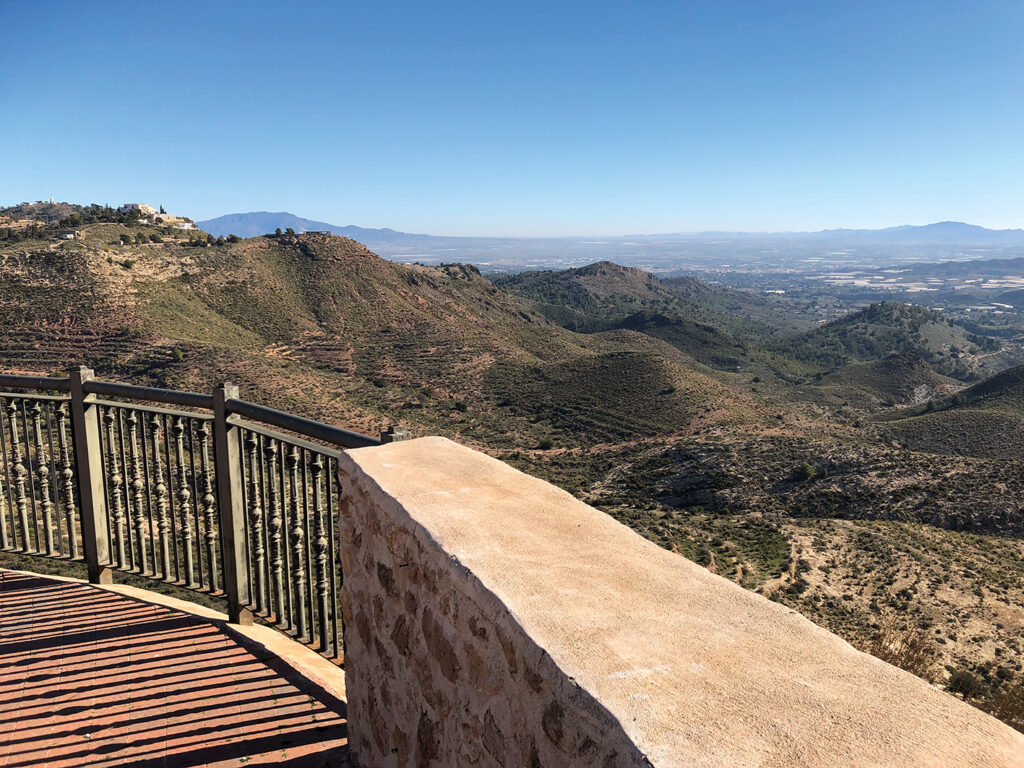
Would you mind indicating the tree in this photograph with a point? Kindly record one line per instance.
(220, 241)
(277, 232)
(162, 209)
(234, 239)
(290, 231)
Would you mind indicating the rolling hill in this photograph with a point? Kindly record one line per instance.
(758, 479)
(327, 327)
(986, 420)
(901, 378)
(712, 325)
(882, 329)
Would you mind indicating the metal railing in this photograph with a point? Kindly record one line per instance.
(214, 494)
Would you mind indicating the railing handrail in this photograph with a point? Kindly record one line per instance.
(19, 381)
(316, 430)
(153, 394)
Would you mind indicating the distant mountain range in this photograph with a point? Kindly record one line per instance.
(264, 222)
(943, 233)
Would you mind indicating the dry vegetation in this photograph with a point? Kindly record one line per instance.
(681, 411)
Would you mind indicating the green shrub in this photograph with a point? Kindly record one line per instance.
(966, 684)
(804, 473)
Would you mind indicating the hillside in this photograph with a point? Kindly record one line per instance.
(986, 420)
(714, 326)
(591, 298)
(43, 212)
(886, 328)
(325, 326)
(901, 378)
(784, 488)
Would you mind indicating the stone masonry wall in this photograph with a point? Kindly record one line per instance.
(437, 671)
(491, 619)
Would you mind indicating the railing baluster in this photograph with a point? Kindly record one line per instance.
(126, 490)
(152, 534)
(335, 564)
(197, 501)
(298, 547)
(258, 564)
(43, 474)
(289, 592)
(172, 520)
(308, 577)
(320, 549)
(55, 491)
(274, 526)
(116, 480)
(68, 474)
(138, 491)
(19, 472)
(160, 487)
(209, 503)
(30, 472)
(172, 500)
(6, 511)
(265, 528)
(184, 499)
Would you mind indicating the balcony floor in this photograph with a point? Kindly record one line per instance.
(91, 677)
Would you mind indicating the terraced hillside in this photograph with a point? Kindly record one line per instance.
(674, 411)
(369, 340)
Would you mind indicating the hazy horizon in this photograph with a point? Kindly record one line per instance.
(527, 120)
(576, 235)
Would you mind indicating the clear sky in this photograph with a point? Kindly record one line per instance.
(522, 118)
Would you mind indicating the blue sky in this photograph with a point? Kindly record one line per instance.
(522, 118)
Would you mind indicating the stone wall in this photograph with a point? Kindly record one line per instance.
(437, 670)
(494, 620)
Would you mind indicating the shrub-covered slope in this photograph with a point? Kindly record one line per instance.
(882, 329)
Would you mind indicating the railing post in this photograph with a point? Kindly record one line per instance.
(394, 434)
(85, 436)
(227, 456)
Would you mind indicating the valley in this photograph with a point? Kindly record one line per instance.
(849, 451)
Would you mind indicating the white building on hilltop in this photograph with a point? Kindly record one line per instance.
(147, 210)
